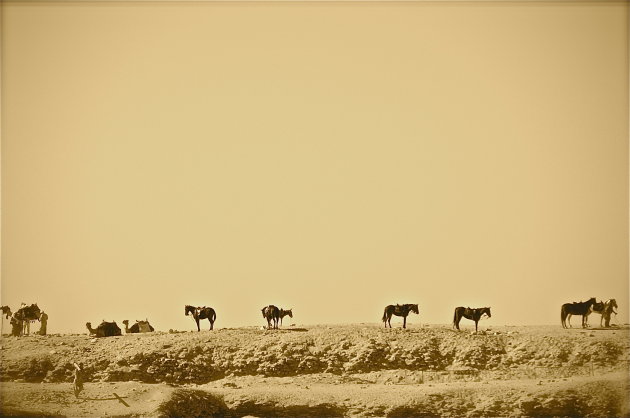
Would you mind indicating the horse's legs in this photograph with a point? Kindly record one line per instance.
(389, 320)
(476, 322)
(197, 321)
(569, 320)
(211, 323)
(404, 322)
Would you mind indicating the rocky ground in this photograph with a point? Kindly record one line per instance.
(353, 370)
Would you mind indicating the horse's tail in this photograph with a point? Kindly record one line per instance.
(563, 315)
(214, 315)
(263, 312)
(455, 317)
(384, 315)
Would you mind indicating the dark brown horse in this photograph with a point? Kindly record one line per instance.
(271, 313)
(576, 308)
(202, 312)
(474, 314)
(285, 312)
(399, 310)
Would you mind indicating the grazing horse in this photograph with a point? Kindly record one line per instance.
(201, 313)
(271, 313)
(285, 312)
(474, 314)
(609, 308)
(576, 308)
(27, 314)
(399, 310)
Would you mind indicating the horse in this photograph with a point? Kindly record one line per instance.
(598, 307)
(27, 314)
(575, 308)
(201, 313)
(285, 312)
(399, 310)
(474, 314)
(271, 313)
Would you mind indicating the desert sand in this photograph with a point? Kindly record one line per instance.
(344, 370)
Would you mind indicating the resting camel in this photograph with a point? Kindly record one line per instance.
(105, 329)
(139, 326)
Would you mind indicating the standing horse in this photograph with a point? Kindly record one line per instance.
(28, 314)
(285, 312)
(271, 313)
(399, 310)
(576, 308)
(469, 313)
(598, 307)
(199, 313)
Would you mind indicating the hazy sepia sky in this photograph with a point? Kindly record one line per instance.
(330, 157)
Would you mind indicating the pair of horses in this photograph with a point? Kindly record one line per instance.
(605, 309)
(473, 314)
(274, 314)
(271, 313)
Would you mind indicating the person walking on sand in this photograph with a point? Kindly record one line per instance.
(78, 379)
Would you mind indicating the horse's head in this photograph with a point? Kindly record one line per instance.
(289, 312)
(487, 312)
(591, 301)
(414, 309)
(188, 310)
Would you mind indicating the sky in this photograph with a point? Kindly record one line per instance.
(332, 158)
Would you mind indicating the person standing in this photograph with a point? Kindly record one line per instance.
(44, 320)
